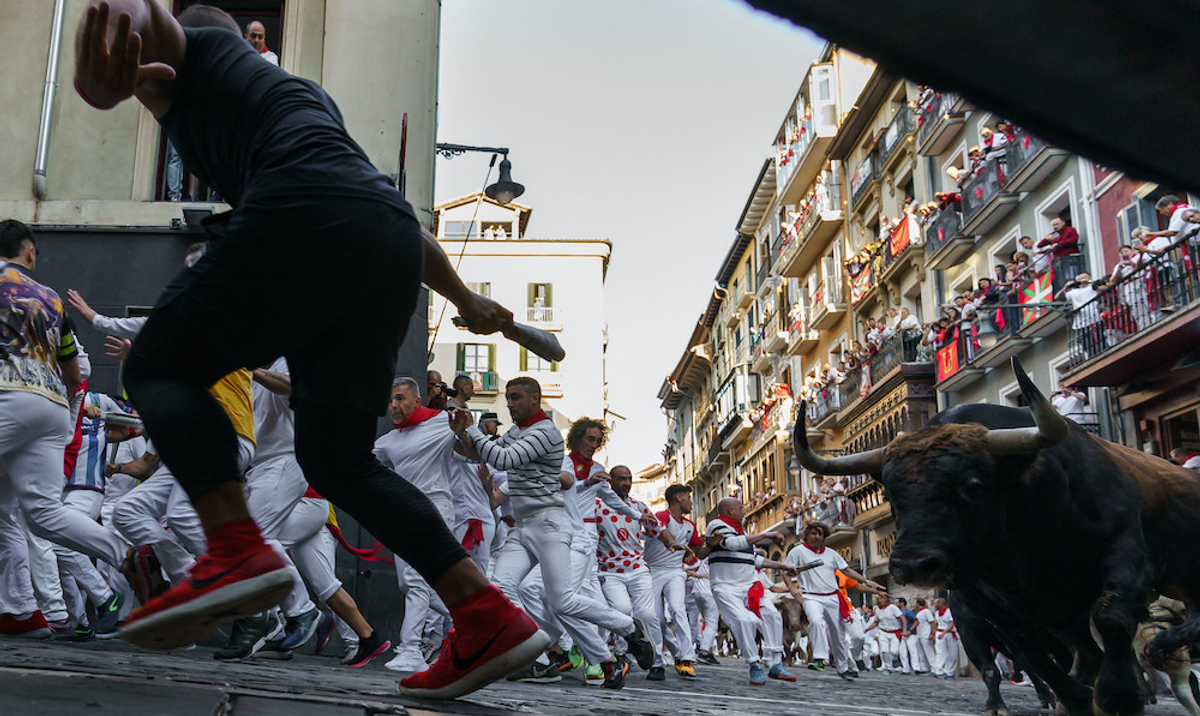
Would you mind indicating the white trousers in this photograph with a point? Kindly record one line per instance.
(34, 433)
(853, 639)
(889, 648)
(313, 549)
(670, 599)
(826, 630)
(710, 618)
(543, 539)
(73, 567)
(946, 647)
(632, 593)
(419, 599)
(732, 603)
(911, 658)
(16, 584)
(273, 489)
(43, 570)
(482, 552)
(928, 652)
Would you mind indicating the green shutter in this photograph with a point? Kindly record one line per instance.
(549, 295)
(460, 357)
(554, 366)
(492, 357)
(524, 359)
(530, 294)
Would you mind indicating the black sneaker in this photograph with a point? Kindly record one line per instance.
(846, 676)
(560, 661)
(861, 666)
(324, 631)
(656, 673)
(853, 674)
(536, 673)
(300, 629)
(706, 657)
(249, 635)
(108, 615)
(274, 649)
(368, 649)
(83, 632)
(640, 645)
(817, 665)
(614, 674)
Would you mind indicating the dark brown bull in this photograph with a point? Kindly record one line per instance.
(1042, 527)
(795, 626)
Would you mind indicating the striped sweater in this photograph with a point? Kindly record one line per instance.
(733, 559)
(533, 456)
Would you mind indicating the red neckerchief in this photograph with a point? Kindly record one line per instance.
(920, 610)
(814, 551)
(664, 517)
(535, 418)
(264, 50)
(754, 597)
(582, 466)
(941, 611)
(1177, 207)
(420, 415)
(737, 526)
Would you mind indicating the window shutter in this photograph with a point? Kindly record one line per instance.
(492, 357)
(549, 295)
(460, 357)
(524, 359)
(554, 366)
(530, 294)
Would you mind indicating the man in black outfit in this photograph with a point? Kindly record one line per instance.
(309, 211)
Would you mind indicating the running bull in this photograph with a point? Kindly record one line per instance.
(1045, 530)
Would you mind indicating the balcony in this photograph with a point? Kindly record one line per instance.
(870, 506)
(900, 356)
(820, 217)
(544, 317)
(1149, 321)
(825, 306)
(851, 389)
(955, 370)
(824, 410)
(940, 121)
(790, 155)
(735, 399)
(801, 338)
(864, 179)
(1030, 160)
(761, 359)
(485, 380)
(895, 136)
(836, 512)
(945, 244)
(985, 201)
(903, 247)
(806, 157)
(745, 297)
(775, 334)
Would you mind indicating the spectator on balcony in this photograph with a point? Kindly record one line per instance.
(1063, 240)
(905, 321)
(948, 200)
(1070, 403)
(1152, 245)
(994, 145)
(892, 317)
(1174, 211)
(1006, 128)
(1086, 324)
(1039, 259)
(256, 35)
(1186, 458)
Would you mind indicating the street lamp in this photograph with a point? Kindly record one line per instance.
(505, 189)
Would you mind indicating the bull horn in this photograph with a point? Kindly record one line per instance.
(868, 463)
(1051, 429)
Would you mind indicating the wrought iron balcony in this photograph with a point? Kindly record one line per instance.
(900, 127)
(864, 177)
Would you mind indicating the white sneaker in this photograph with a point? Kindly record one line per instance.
(409, 661)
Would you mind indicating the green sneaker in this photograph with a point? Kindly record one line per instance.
(593, 675)
(576, 657)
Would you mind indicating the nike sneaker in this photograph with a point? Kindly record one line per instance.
(108, 615)
(490, 638)
(367, 650)
(216, 592)
(614, 674)
(32, 627)
(780, 672)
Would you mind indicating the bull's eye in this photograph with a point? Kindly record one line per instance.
(971, 489)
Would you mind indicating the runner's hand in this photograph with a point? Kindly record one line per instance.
(77, 302)
(598, 477)
(460, 419)
(107, 72)
(117, 347)
(483, 315)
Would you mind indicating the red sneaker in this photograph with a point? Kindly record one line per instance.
(216, 592)
(474, 656)
(32, 627)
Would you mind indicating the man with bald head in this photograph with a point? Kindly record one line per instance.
(256, 35)
(733, 568)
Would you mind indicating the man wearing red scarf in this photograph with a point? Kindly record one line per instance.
(945, 641)
(419, 449)
(733, 574)
(827, 610)
(256, 35)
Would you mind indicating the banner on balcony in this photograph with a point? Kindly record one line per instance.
(947, 361)
(860, 284)
(902, 235)
(1039, 290)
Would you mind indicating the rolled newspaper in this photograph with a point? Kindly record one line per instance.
(118, 418)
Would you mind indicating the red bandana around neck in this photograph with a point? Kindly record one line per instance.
(814, 551)
(582, 466)
(737, 526)
(535, 418)
(420, 415)
(941, 611)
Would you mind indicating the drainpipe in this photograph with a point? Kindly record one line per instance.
(48, 94)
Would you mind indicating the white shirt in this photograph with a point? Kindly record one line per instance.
(819, 580)
(271, 57)
(1178, 225)
(683, 530)
(471, 499)
(116, 485)
(924, 623)
(421, 454)
(943, 620)
(889, 618)
(1067, 405)
(620, 549)
(1080, 297)
(274, 423)
(532, 455)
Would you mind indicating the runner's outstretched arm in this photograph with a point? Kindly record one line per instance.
(483, 315)
(128, 48)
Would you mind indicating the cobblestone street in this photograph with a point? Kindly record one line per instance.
(57, 679)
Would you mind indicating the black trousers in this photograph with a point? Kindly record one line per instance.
(330, 287)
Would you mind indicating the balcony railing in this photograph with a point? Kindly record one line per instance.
(1024, 147)
(862, 179)
(850, 389)
(811, 209)
(836, 512)
(900, 127)
(945, 226)
(540, 314)
(485, 379)
(981, 188)
(828, 402)
(1155, 292)
(900, 348)
(933, 111)
(791, 154)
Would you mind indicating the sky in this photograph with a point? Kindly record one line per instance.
(642, 122)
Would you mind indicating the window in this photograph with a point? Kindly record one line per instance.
(540, 298)
(461, 230)
(480, 288)
(475, 358)
(534, 362)
(1139, 213)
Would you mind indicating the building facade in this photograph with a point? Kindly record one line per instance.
(553, 284)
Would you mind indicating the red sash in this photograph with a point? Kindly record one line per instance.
(754, 598)
(474, 535)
